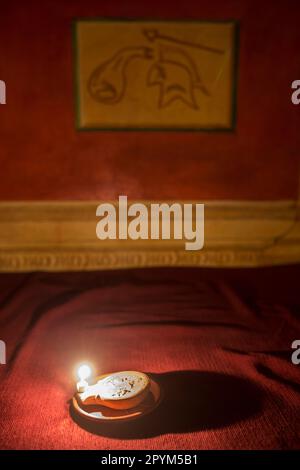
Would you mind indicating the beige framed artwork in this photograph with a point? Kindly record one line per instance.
(156, 75)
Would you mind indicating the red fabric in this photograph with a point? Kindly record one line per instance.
(219, 342)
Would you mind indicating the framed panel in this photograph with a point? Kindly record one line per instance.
(155, 75)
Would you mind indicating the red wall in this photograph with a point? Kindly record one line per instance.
(43, 157)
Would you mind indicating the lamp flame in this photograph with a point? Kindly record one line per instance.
(84, 372)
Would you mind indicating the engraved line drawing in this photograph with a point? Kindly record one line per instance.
(177, 76)
(107, 83)
(154, 34)
(173, 70)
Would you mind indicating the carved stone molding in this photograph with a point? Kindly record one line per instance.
(60, 236)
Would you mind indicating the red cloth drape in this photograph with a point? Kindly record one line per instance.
(219, 342)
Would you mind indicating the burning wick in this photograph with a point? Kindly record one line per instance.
(83, 372)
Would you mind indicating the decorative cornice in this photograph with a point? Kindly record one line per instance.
(60, 236)
(81, 261)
